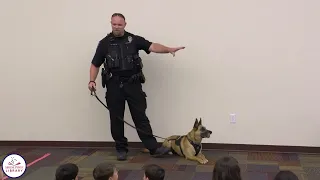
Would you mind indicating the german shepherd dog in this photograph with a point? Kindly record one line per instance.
(189, 145)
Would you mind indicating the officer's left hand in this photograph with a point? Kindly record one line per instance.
(174, 50)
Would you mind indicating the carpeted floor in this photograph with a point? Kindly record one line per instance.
(255, 165)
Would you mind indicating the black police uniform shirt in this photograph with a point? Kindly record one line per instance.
(140, 42)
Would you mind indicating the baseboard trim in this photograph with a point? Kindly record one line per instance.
(213, 146)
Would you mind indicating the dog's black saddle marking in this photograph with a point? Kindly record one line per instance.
(197, 147)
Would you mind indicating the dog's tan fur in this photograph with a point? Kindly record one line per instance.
(196, 135)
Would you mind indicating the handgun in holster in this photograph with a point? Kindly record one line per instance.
(105, 77)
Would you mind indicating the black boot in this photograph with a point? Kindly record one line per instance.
(121, 156)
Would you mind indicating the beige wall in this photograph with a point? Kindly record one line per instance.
(257, 59)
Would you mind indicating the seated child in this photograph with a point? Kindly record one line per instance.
(226, 168)
(67, 171)
(153, 172)
(105, 171)
(286, 175)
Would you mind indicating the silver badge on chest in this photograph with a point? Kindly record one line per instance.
(129, 39)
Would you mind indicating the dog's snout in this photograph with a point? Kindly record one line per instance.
(210, 132)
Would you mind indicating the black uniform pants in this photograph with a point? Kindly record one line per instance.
(117, 93)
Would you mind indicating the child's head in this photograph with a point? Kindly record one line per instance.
(105, 171)
(286, 175)
(153, 172)
(226, 168)
(67, 171)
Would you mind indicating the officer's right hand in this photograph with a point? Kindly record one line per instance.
(92, 86)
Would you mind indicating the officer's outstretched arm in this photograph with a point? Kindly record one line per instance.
(159, 48)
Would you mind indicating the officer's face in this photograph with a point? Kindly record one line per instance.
(118, 24)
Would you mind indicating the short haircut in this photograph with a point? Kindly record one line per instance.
(68, 171)
(226, 168)
(103, 171)
(119, 15)
(154, 172)
(286, 175)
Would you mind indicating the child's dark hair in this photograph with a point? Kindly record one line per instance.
(286, 175)
(226, 168)
(68, 171)
(103, 171)
(154, 172)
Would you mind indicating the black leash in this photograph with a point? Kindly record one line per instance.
(93, 93)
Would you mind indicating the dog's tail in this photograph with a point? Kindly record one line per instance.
(167, 143)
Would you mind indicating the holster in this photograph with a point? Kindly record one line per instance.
(105, 77)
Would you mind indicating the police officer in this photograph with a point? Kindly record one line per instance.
(123, 77)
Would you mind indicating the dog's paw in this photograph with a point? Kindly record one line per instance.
(203, 161)
(206, 161)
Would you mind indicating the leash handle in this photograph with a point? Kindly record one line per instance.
(92, 89)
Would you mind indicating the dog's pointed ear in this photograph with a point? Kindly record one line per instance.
(196, 123)
(200, 122)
